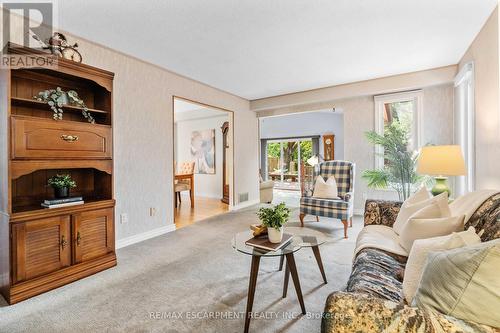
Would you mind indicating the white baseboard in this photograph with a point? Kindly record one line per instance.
(245, 204)
(145, 235)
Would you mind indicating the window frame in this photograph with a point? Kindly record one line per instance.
(417, 97)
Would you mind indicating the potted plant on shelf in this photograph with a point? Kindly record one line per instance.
(274, 218)
(61, 185)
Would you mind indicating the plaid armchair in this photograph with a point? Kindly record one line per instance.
(341, 208)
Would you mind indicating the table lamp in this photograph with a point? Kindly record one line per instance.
(440, 162)
(313, 160)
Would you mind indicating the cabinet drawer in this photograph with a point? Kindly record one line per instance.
(40, 138)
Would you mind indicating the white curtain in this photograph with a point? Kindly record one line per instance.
(464, 127)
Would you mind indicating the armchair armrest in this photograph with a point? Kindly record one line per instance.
(381, 212)
(354, 312)
(348, 196)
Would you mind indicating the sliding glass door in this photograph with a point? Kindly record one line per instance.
(283, 161)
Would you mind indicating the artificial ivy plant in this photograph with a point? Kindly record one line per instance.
(57, 98)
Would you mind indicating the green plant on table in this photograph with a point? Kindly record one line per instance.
(61, 181)
(57, 98)
(274, 217)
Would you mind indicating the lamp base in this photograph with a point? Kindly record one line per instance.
(440, 186)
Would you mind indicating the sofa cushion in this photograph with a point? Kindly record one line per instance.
(325, 203)
(428, 222)
(421, 248)
(379, 237)
(377, 273)
(485, 219)
(381, 212)
(349, 312)
(408, 209)
(468, 203)
(463, 283)
(421, 195)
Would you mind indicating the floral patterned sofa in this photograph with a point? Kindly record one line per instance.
(373, 300)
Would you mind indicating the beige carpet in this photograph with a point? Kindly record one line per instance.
(181, 281)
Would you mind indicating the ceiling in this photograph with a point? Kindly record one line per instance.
(261, 48)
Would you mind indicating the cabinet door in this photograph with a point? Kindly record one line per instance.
(40, 247)
(93, 234)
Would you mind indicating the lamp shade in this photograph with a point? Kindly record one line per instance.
(441, 161)
(313, 160)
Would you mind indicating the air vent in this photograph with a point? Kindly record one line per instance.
(242, 197)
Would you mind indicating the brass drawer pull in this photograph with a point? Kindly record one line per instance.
(63, 242)
(69, 138)
(78, 238)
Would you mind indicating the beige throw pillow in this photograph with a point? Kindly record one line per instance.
(411, 206)
(463, 283)
(421, 195)
(325, 190)
(431, 221)
(421, 248)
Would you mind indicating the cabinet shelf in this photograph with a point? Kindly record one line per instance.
(36, 212)
(31, 103)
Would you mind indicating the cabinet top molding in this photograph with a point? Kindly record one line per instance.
(101, 76)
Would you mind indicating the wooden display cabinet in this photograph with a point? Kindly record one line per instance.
(42, 249)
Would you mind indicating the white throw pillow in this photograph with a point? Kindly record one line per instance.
(418, 256)
(421, 228)
(436, 209)
(325, 190)
(410, 207)
(421, 195)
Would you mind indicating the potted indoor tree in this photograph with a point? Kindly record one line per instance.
(274, 218)
(400, 163)
(61, 185)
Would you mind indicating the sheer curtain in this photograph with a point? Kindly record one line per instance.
(464, 126)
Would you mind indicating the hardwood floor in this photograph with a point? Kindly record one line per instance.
(203, 208)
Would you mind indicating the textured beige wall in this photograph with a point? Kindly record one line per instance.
(359, 117)
(143, 134)
(484, 53)
(383, 85)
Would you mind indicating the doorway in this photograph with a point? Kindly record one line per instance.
(203, 161)
(288, 141)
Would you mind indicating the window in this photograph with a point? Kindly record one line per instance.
(403, 108)
(464, 126)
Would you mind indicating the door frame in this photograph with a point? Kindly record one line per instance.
(231, 158)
